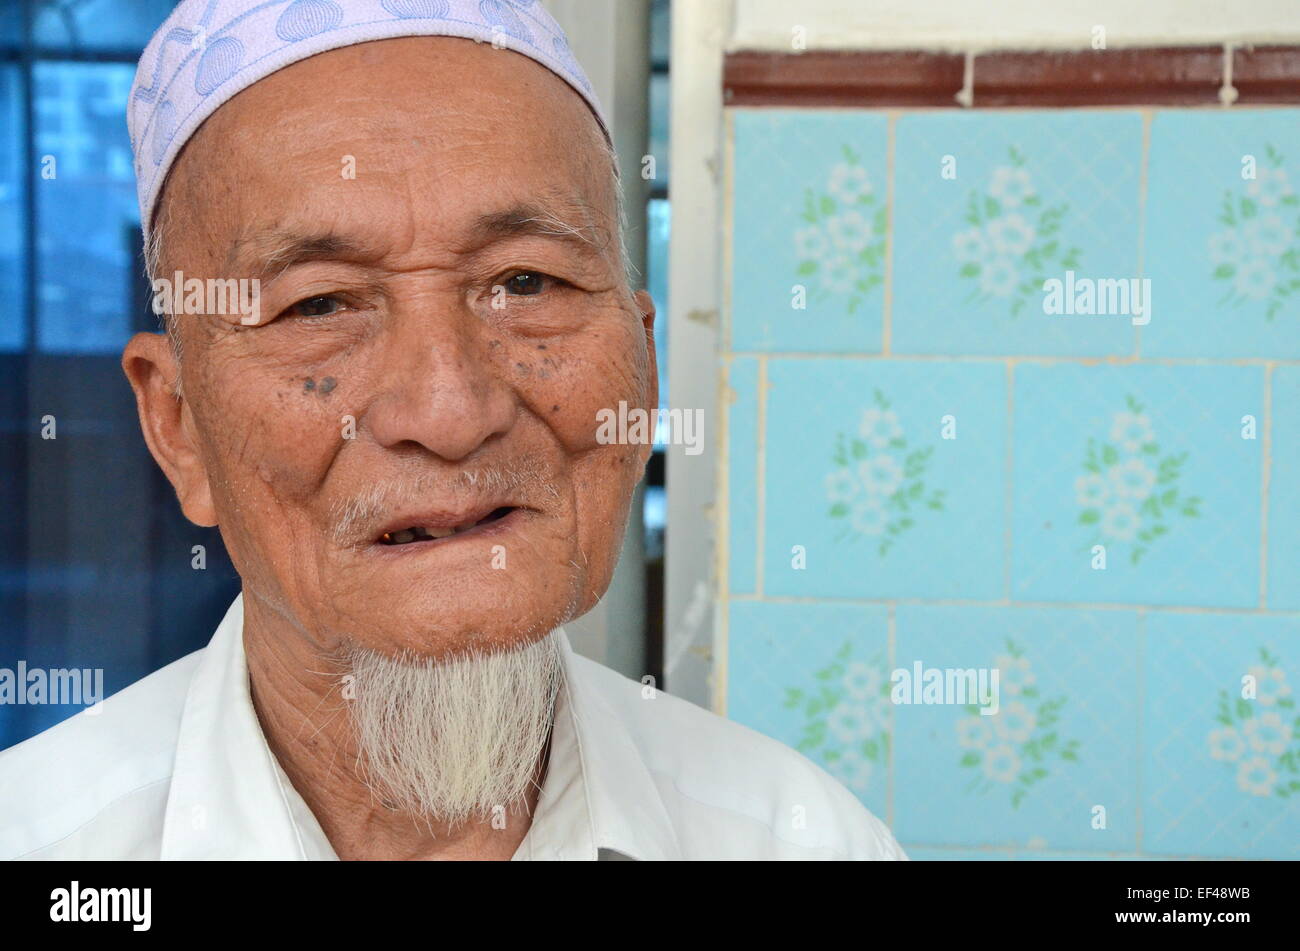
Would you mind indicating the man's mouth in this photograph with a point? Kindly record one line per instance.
(432, 532)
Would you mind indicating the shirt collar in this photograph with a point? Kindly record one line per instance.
(599, 795)
(230, 798)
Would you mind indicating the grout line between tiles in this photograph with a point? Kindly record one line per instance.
(761, 478)
(1143, 167)
(886, 332)
(1063, 605)
(1266, 476)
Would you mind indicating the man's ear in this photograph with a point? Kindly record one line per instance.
(646, 305)
(150, 366)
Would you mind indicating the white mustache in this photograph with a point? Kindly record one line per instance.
(354, 518)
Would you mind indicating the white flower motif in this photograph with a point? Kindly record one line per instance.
(999, 277)
(1226, 247)
(1133, 479)
(1226, 744)
(974, 732)
(1131, 430)
(1014, 674)
(1011, 185)
(841, 486)
(849, 183)
(971, 245)
(863, 681)
(1001, 764)
(1267, 235)
(881, 475)
(1270, 685)
(1256, 776)
(879, 426)
(1269, 187)
(1120, 522)
(1091, 489)
(852, 769)
(1268, 733)
(1015, 722)
(850, 723)
(1254, 280)
(869, 516)
(810, 243)
(839, 273)
(850, 231)
(876, 709)
(1011, 234)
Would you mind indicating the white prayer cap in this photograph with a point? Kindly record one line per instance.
(208, 50)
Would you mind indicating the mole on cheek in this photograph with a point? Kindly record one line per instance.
(308, 385)
(555, 408)
(327, 384)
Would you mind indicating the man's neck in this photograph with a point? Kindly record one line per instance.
(296, 690)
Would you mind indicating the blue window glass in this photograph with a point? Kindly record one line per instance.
(659, 129)
(85, 207)
(97, 25)
(13, 335)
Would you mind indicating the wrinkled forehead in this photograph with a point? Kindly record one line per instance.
(385, 138)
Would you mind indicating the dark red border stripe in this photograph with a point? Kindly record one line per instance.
(887, 78)
(1267, 74)
(1138, 76)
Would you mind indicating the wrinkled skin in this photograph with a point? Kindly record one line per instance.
(399, 334)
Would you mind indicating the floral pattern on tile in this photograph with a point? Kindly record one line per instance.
(842, 242)
(877, 485)
(895, 484)
(1021, 744)
(1222, 235)
(846, 717)
(808, 245)
(1219, 735)
(1014, 241)
(990, 206)
(1257, 254)
(1129, 491)
(811, 676)
(1261, 745)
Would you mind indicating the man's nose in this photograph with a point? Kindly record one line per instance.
(443, 391)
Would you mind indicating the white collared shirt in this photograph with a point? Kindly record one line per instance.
(176, 767)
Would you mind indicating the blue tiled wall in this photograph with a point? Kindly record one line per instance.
(924, 464)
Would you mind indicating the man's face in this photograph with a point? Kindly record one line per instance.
(433, 348)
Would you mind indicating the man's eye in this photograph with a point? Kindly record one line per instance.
(527, 283)
(316, 307)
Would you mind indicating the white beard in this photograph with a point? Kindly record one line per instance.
(450, 740)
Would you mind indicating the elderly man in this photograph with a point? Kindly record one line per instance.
(396, 437)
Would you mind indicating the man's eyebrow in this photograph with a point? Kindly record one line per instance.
(268, 254)
(533, 220)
